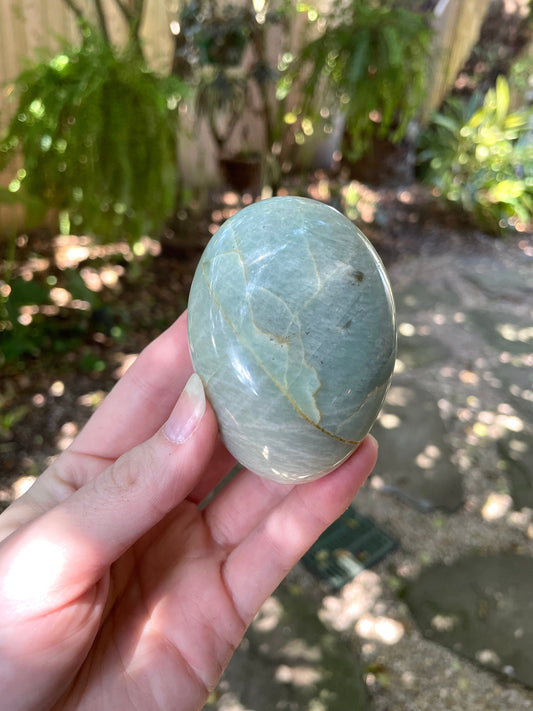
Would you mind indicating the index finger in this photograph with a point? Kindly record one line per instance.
(142, 399)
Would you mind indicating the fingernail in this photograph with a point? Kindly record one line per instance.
(187, 412)
(376, 443)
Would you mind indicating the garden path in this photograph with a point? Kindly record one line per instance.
(445, 621)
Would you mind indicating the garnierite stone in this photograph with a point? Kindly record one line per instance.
(292, 329)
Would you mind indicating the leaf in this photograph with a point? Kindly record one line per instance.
(10, 418)
(446, 122)
(517, 120)
(104, 139)
(78, 288)
(502, 99)
(506, 190)
(393, 45)
(27, 292)
(360, 59)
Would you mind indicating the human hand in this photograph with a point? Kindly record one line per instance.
(116, 590)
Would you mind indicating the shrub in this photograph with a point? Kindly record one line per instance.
(480, 155)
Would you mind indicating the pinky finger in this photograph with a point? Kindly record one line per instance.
(260, 562)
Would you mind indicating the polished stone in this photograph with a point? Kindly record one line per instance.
(292, 329)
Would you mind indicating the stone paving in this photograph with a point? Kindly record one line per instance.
(454, 485)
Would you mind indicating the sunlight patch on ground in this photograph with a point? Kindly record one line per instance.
(510, 332)
(445, 623)
(107, 276)
(399, 366)
(491, 424)
(66, 435)
(407, 329)
(361, 202)
(301, 675)
(300, 649)
(496, 506)
(380, 629)
(488, 656)
(468, 377)
(269, 616)
(21, 486)
(389, 421)
(92, 399)
(356, 599)
(399, 396)
(57, 389)
(125, 361)
(427, 458)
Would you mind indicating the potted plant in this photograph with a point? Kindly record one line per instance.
(223, 48)
(369, 64)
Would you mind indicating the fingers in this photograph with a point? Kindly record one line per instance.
(142, 400)
(147, 482)
(88, 531)
(47, 491)
(269, 550)
(234, 513)
(222, 462)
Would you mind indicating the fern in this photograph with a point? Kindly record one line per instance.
(370, 61)
(98, 139)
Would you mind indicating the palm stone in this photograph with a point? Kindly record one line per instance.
(292, 330)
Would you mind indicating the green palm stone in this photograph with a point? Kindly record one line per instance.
(292, 330)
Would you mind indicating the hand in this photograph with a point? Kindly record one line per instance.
(116, 590)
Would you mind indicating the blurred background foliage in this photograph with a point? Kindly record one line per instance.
(479, 153)
(279, 89)
(97, 135)
(370, 64)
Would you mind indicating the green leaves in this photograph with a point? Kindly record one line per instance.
(501, 97)
(370, 63)
(481, 156)
(97, 133)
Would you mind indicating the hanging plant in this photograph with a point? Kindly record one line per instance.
(97, 134)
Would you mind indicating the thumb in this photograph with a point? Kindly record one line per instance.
(93, 527)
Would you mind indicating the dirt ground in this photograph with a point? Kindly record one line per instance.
(45, 400)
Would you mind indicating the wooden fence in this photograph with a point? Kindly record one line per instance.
(457, 24)
(27, 26)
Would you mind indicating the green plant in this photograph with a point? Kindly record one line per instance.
(30, 323)
(480, 155)
(224, 49)
(97, 135)
(10, 413)
(521, 80)
(214, 35)
(369, 62)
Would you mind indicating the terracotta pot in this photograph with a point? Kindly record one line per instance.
(242, 172)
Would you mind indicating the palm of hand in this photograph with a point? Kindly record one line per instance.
(116, 590)
(168, 626)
